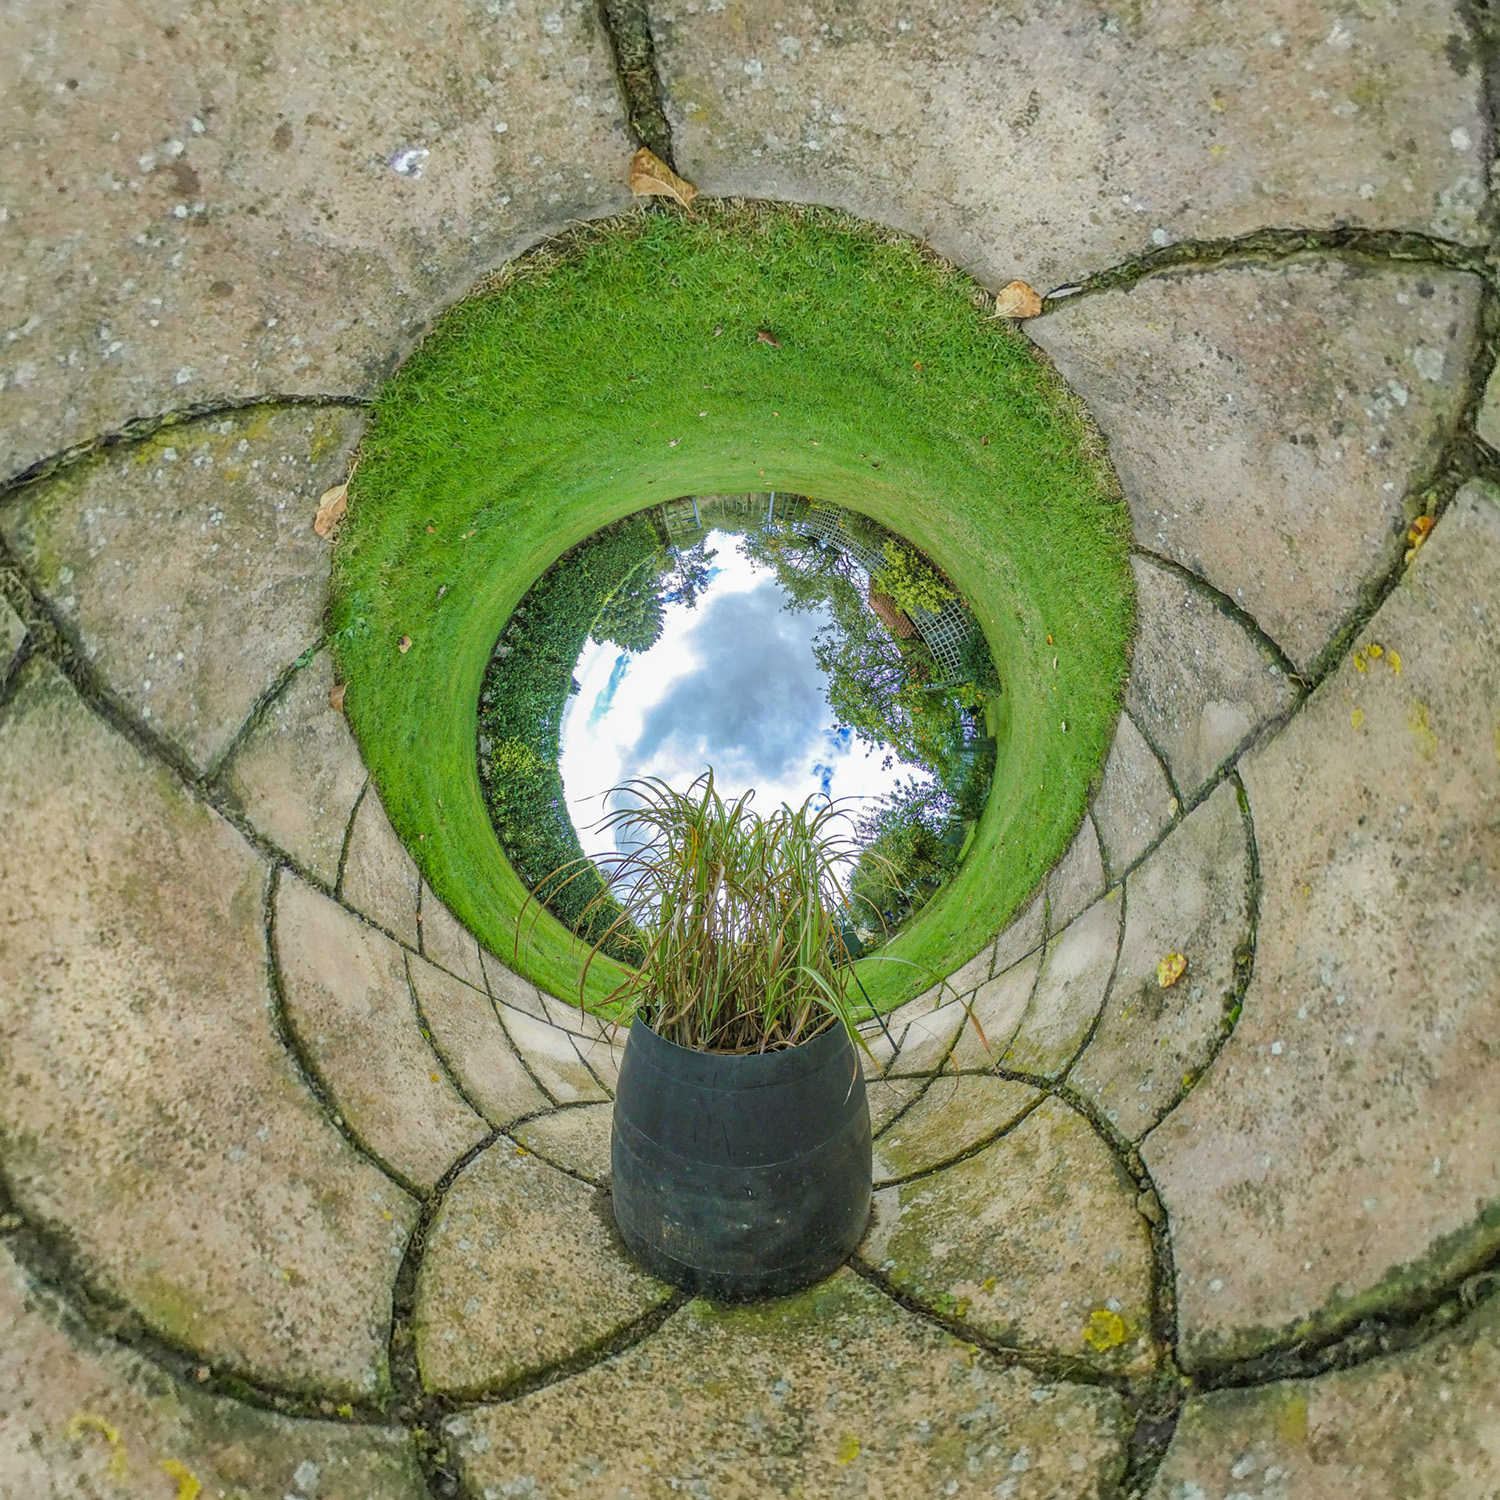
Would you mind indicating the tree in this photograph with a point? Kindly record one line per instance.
(632, 617)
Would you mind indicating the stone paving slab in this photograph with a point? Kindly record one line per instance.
(213, 202)
(380, 879)
(577, 1139)
(12, 633)
(82, 1416)
(1051, 141)
(836, 1391)
(954, 1116)
(1200, 684)
(603, 1056)
(887, 1097)
(1345, 1147)
(1077, 880)
(298, 773)
(186, 566)
(1036, 1242)
(928, 1039)
(1025, 934)
(523, 1269)
(1192, 896)
(1423, 1425)
(1267, 423)
(468, 1036)
(995, 1016)
(448, 943)
(349, 1002)
(1069, 993)
(510, 989)
(149, 1113)
(552, 1059)
(1135, 805)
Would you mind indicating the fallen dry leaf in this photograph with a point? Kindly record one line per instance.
(404, 644)
(331, 505)
(336, 697)
(1170, 970)
(650, 177)
(1416, 534)
(1017, 300)
(763, 337)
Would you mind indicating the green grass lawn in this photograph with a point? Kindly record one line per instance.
(625, 366)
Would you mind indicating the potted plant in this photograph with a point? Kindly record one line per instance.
(741, 1154)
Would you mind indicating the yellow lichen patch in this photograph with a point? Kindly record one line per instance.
(1419, 721)
(1360, 664)
(1375, 650)
(1394, 659)
(1291, 1420)
(848, 1449)
(1104, 1330)
(90, 1421)
(1357, 718)
(188, 1487)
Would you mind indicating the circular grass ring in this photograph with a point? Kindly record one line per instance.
(743, 347)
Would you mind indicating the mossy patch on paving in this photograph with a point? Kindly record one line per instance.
(742, 347)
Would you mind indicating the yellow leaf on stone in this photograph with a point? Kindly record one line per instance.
(848, 1449)
(1170, 970)
(1105, 1330)
(1357, 717)
(336, 697)
(1018, 300)
(331, 506)
(651, 177)
(188, 1487)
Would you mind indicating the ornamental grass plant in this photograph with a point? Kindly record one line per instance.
(739, 916)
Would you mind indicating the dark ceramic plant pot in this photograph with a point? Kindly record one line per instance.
(741, 1176)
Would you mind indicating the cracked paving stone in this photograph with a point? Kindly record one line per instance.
(952, 1117)
(1343, 1151)
(1025, 934)
(996, 1014)
(1192, 896)
(448, 943)
(298, 773)
(576, 1139)
(1051, 141)
(149, 1113)
(928, 1037)
(1034, 1242)
(603, 1056)
(510, 989)
(1069, 993)
(1422, 1425)
(1078, 879)
(349, 1003)
(1266, 423)
(213, 202)
(83, 1416)
(381, 880)
(468, 1036)
(12, 633)
(887, 1097)
(552, 1058)
(1135, 805)
(186, 566)
(836, 1391)
(523, 1270)
(1200, 684)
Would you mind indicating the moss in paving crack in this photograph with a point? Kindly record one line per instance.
(625, 366)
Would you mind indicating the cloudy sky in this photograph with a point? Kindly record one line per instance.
(730, 684)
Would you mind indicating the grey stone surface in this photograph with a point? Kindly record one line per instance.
(468, 1036)
(552, 1058)
(603, 1056)
(928, 1039)
(12, 633)
(1077, 881)
(1266, 424)
(995, 1016)
(509, 988)
(380, 878)
(1423, 1425)
(575, 1139)
(1192, 896)
(1069, 992)
(522, 1270)
(1487, 423)
(82, 1416)
(1026, 1242)
(298, 773)
(148, 1112)
(1025, 934)
(211, 208)
(887, 1097)
(1135, 805)
(1344, 1149)
(1050, 141)
(954, 1116)
(186, 566)
(448, 943)
(350, 1004)
(1200, 683)
(835, 1391)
